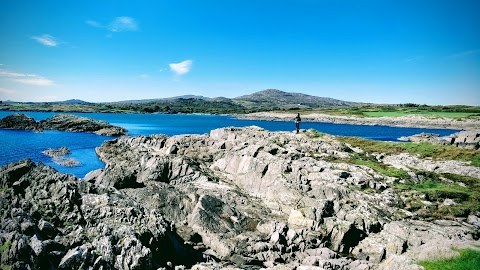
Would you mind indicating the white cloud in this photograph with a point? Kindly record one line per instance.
(94, 23)
(144, 76)
(7, 73)
(30, 79)
(120, 24)
(182, 67)
(6, 91)
(36, 81)
(46, 40)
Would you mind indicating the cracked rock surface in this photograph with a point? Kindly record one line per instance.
(232, 199)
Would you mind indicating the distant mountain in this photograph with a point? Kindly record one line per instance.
(281, 99)
(70, 101)
(187, 97)
(266, 100)
(140, 101)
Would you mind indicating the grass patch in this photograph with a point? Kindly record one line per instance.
(373, 163)
(313, 133)
(468, 259)
(465, 198)
(5, 246)
(423, 113)
(423, 149)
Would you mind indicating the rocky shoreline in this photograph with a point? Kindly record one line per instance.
(414, 121)
(232, 199)
(464, 139)
(61, 122)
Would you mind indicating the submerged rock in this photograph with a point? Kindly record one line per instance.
(55, 153)
(58, 157)
(62, 122)
(235, 198)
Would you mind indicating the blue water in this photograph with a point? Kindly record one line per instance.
(19, 144)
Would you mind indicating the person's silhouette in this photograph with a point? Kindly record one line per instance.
(297, 122)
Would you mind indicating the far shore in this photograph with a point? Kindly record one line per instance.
(412, 121)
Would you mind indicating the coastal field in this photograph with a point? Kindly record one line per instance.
(454, 111)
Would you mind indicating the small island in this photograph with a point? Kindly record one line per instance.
(58, 157)
(62, 122)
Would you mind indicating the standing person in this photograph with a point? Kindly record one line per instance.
(297, 122)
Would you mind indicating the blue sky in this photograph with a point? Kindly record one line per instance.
(423, 51)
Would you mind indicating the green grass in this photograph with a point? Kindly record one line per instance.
(312, 133)
(372, 110)
(440, 152)
(429, 113)
(373, 163)
(466, 198)
(468, 259)
(5, 246)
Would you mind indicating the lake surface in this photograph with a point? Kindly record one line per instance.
(20, 144)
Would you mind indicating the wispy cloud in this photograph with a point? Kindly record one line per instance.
(6, 73)
(463, 54)
(119, 24)
(144, 76)
(46, 40)
(7, 91)
(182, 67)
(30, 79)
(124, 23)
(36, 81)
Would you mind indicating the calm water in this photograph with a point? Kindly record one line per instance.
(18, 144)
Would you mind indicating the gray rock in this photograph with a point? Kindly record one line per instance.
(18, 121)
(234, 199)
(62, 122)
(463, 139)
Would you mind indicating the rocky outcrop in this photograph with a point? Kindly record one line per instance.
(51, 220)
(57, 156)
(463, 139)
(415, 121)
(62, 122)
(235, 198)
(55, 153)
(18, 121)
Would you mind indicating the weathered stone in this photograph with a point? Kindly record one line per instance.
(233, 199)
